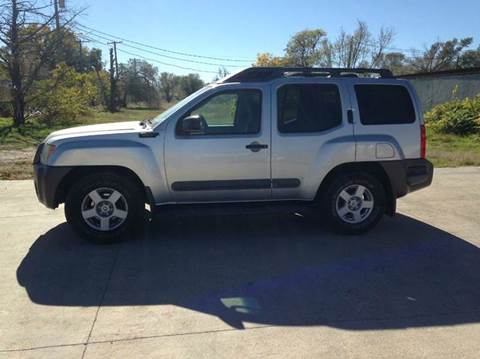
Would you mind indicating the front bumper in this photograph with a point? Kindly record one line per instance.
(47, 180)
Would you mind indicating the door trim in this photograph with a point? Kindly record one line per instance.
(235, 184)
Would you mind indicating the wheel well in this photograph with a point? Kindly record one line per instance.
(373, 168)
(82, 171)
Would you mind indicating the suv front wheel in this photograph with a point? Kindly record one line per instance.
(354, 203)
(103, 207)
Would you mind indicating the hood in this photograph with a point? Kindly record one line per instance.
(101, 129)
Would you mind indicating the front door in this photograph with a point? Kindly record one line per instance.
(227, 157)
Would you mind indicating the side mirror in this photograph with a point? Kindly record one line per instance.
(193, 125)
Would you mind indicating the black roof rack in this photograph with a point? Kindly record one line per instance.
(263, 74)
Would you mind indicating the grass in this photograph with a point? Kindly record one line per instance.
(17, 145)
(33, 133)
(453, 151)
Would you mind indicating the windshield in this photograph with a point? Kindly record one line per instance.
(165, 114)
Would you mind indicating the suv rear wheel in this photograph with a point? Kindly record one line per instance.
(354, 203)
(103, 207)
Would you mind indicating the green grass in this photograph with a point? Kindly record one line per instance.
(33, 133)
(452, 150)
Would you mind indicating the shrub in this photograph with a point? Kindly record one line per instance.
(460, 117)
(64, 96)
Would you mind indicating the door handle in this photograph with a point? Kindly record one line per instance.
(350, 116)
(256, 146)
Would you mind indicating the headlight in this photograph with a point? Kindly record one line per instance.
(47, 152)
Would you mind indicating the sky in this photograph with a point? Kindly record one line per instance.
(240, 29)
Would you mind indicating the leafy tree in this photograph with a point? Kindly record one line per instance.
(139, 82)
(396, 62)
(64, 95)
(442, 55)
(266, 59)
(470, 58)
(29, 42)
(190, 83)
(304, 48)
(168, 85)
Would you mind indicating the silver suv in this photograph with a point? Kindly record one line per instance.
(344, 142)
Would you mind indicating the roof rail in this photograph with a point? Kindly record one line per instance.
(263, 74)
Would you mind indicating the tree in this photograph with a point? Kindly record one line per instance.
(64, 95)
(351, 49)
(470, 58)
(139, 82)
(221, 73)
(266, 59)
(190, 83)
(442, 55)
(304, 48)
(396, 62)
(29, 42)
(168, 85)
(379, 45)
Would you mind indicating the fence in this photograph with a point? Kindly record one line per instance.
(434, 88)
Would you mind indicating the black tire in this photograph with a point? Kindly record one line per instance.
(349, 181)
(132, 195)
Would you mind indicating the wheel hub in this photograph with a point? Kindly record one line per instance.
(354, 203)
(104, 209)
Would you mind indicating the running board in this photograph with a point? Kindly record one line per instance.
(225, 209)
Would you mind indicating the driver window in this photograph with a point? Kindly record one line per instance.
(228, 113)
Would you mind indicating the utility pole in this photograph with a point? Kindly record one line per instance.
(113, 85)
(80, 43)
(57, 15)
(116, 58)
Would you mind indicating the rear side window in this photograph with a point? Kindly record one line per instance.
(384, 104)
(308, 108)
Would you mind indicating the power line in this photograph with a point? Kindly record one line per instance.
(165, 50)
(167, 56)
(150, 59)
(165, 63)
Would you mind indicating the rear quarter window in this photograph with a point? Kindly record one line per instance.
(384, 104)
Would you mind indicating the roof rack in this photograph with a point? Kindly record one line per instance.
(263, 74)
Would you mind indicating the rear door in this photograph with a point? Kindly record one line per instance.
(387, 120)
(310, 134)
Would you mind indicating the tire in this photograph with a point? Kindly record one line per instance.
(103, 207)
(354, 203)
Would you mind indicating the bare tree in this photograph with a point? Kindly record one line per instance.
(379, 45)
(29, 41)
(351, 49)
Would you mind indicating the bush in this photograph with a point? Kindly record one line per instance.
(64, 96)
(460, 117)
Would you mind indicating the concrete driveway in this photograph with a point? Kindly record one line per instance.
(264, 286)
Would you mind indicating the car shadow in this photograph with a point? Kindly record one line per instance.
(269, 269)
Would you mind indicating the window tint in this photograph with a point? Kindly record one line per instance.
(308, 108)
(231, 112)
(384, 104)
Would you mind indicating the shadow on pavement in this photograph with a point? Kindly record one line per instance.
(278, 270)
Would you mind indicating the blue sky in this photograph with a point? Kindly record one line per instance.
(241, 29)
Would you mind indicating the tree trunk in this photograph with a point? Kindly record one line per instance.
(18, 96)
(18, 110)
